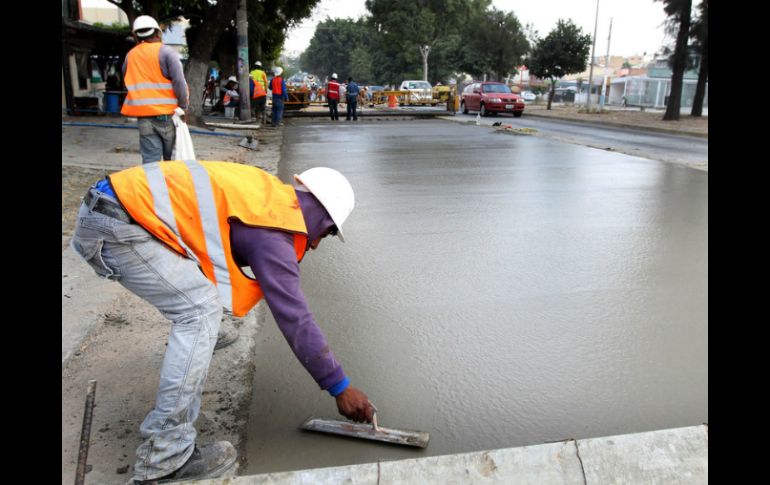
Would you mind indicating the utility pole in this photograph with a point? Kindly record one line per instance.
(243, 60)
(425, 51)
(591, 69)
(606, 68)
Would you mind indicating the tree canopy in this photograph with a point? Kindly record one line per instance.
(564, 51)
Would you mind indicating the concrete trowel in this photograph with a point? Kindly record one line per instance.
(365, 431)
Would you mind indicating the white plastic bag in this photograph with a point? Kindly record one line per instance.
(184, 146)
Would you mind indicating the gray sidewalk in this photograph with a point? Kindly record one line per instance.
(673, 457)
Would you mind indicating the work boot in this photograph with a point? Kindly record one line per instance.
(227, 333)
(208, 461)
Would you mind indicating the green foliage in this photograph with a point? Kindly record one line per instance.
(564, 51)
(463, 35)
(115, 27)
(494, 42)
(399, 27)
(341, 46)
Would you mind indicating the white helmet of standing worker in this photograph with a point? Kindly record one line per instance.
(233, 79)
(277, 70)
(144, 26)
(332, 190)
(334, 75)
(258, 64)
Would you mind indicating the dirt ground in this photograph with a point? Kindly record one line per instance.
(124, 349)
(628, 116)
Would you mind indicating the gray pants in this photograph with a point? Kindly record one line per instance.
(156, 138)
(174, 284)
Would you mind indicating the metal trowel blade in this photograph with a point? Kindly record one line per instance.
(404, 437)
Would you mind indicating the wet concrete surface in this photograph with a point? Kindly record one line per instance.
(495, 291)
(688, 150)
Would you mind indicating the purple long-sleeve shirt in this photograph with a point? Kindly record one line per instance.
(270, 254)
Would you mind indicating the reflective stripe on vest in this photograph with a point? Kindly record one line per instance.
(188, 205)
(149, 92)
(259, 90)
(276, 87)
(259, 76)
(334, 90)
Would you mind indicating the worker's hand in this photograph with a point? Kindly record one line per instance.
(354, 405)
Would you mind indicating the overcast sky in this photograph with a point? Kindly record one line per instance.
(637, 25)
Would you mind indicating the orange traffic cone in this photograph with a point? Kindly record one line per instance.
(392, 102)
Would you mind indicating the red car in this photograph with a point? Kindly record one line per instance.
(491, 97)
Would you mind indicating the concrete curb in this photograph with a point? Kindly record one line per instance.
(619, 125)
(672, 456)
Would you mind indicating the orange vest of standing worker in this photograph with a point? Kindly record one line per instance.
(275, 86)
(150, 93)
(259, 90)
(187, 205)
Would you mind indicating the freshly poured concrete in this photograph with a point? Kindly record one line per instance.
(495, 291)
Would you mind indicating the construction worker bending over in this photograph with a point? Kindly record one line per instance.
(155, 229)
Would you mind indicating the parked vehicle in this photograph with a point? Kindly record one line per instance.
(528, 96)
(491, 97)
(421, 91)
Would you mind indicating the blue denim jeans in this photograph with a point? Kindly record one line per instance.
(277, 110)
(352, 108)
(174, 284)
(156, 138)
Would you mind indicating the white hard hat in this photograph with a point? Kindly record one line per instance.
(144, 26)
(332, 190)
(277, 70)
(257, 64)
(334, 75)
(233, 79)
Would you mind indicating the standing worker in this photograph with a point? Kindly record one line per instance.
(333, 96)
(278, 87)
(352, 99)
(156, 86)
(259, 92)
(189, 267)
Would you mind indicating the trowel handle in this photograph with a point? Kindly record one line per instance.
(374, 417)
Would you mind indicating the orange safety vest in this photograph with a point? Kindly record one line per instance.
(259, 90)
(259, 76)
(275, 86)
(175, 200)
(227, 98)
(150, 93)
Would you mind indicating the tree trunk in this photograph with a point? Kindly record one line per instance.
(703, 75)
(425, 51)
(201, 47)
(551, 92)
(243, 61)
(680, 63)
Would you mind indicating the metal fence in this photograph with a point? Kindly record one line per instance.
(651, 92)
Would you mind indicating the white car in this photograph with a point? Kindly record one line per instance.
(421, 90)
(528, 96)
